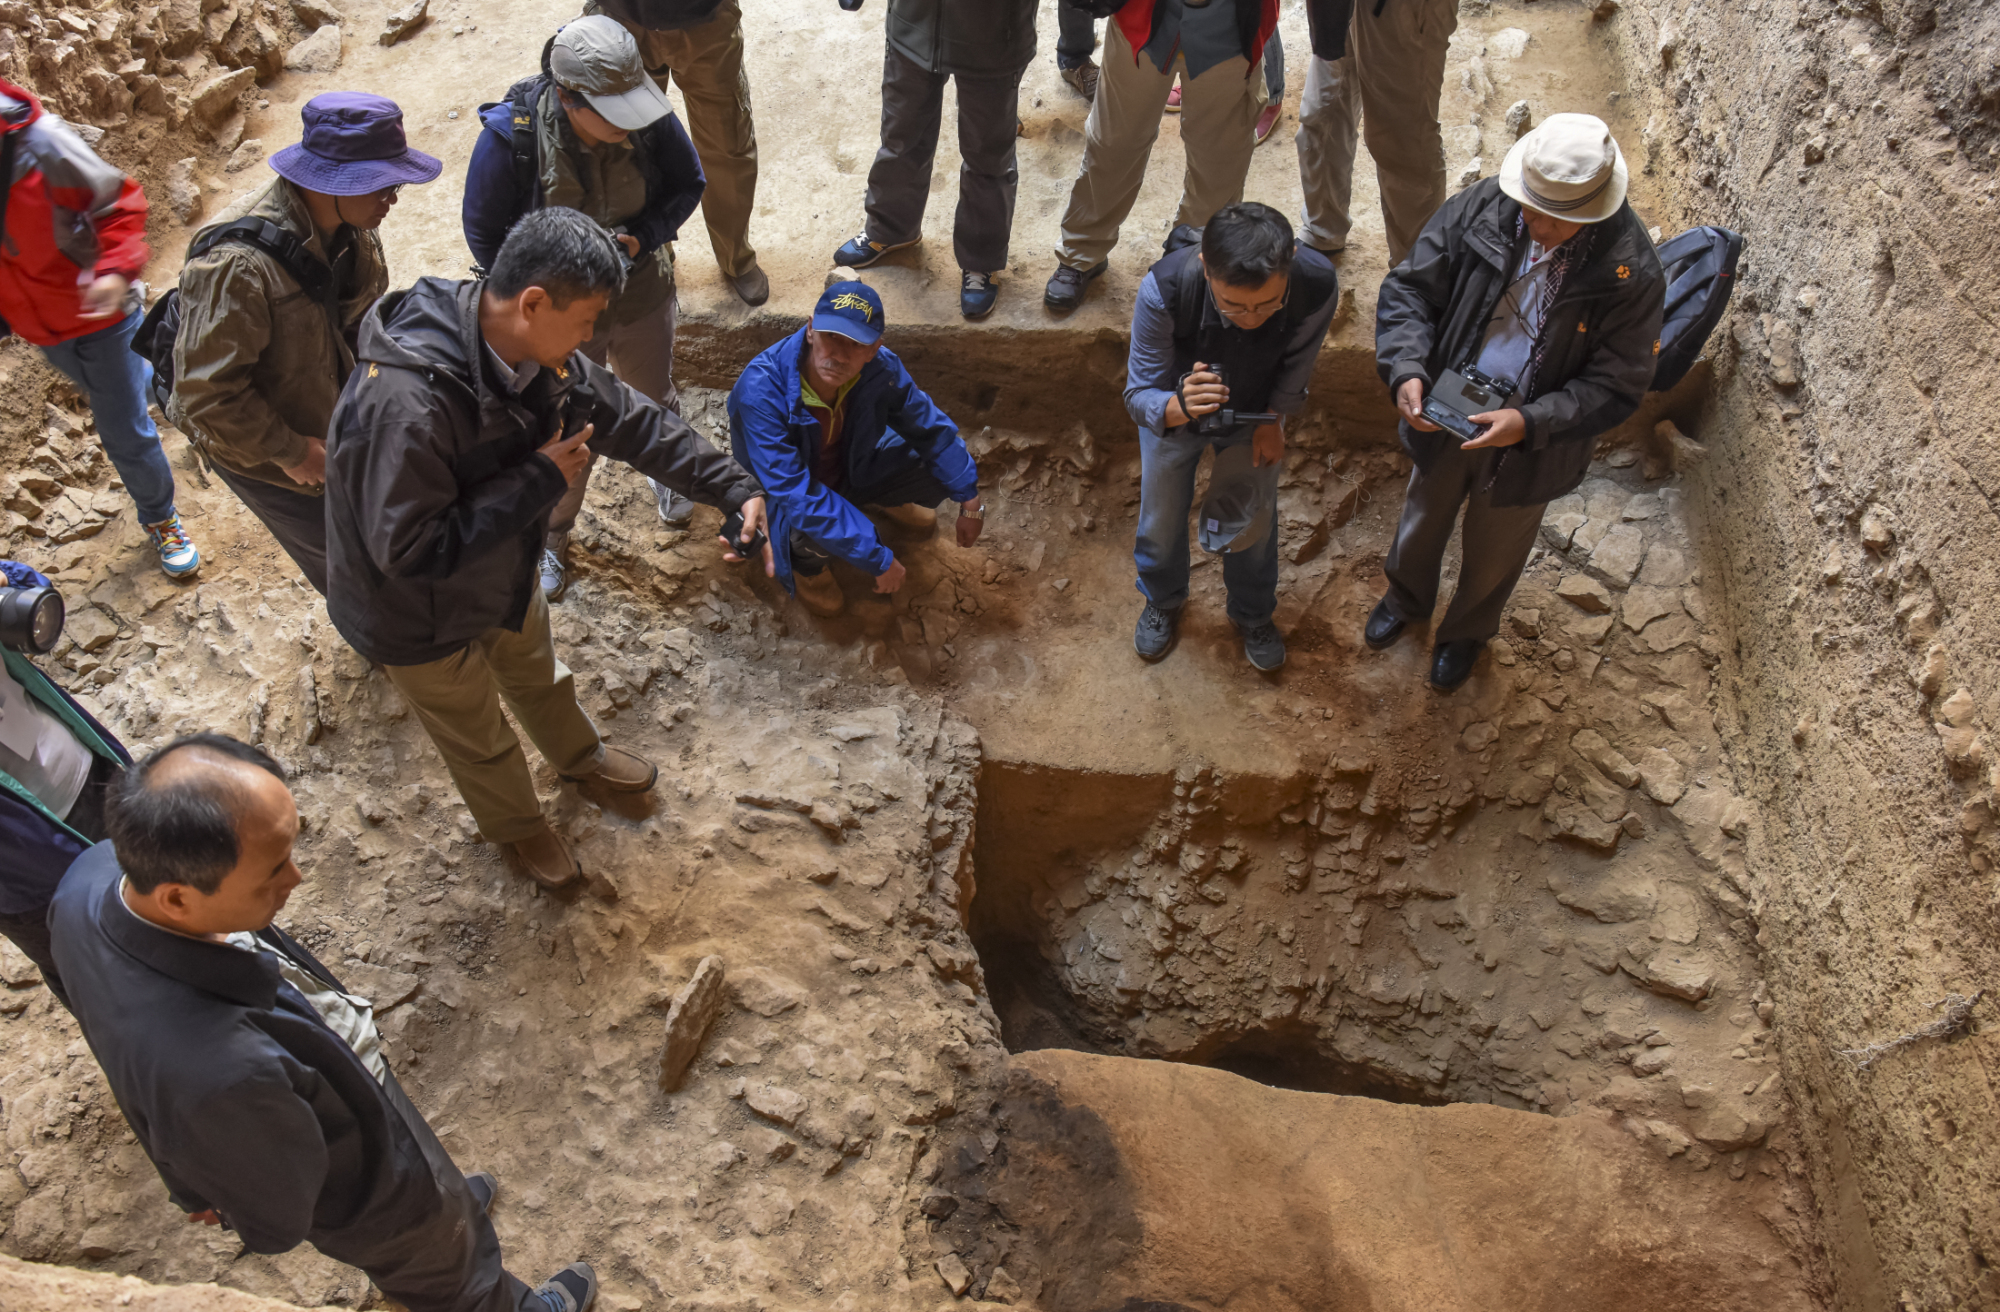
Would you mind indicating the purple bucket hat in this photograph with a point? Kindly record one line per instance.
(353, 145)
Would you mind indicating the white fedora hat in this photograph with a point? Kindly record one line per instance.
(1568, 168)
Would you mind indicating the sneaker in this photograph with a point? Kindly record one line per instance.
(1267, 121)
(482, 1185)
(545, 858)
(675, 509)
(1154, 635)
(751, 285)
(1083, 78)
(555, 577)
(860, 252)
(572, 1289)
(620, 771)
(1174, 99)
(977, 295)
(1264, 646)
(1066, 285)
(178, 556)
(820, 593)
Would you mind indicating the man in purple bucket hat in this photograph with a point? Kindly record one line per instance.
(271, 296)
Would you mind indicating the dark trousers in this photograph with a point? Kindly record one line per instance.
(450, 1262)
(900, 180)
(1076, 34)
(296, 519)
(1493, 551)
(910, 484)
(29, 932)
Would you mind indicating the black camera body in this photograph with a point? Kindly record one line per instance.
(31, 619)
(1223, 422)
(1462, 393)
(732, 529)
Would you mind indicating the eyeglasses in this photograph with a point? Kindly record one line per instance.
(388, 193)
(1261, 310)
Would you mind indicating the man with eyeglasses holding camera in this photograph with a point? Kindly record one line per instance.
(1224, 336)
(261, 355)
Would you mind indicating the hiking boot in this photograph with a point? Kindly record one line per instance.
(178, 556)
(620, 771)
(908, 520)
(554, 575)
(751, 286)
(820, 593)
(1083, 78)
(1066, 285)
(1383, 628)
(1154, 636)
(1267, 121)
(482, 1186)
(675, 509)
(1452, 662)
(572, 1289)
(977, 295)
(545, 858)
(859, 253)
(1263, 645)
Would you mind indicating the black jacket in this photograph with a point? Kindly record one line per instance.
(243, 1098)
(436, 497)
(1602, 333)
(973, 38)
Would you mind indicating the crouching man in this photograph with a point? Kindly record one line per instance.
(830, 422)
(1544, 281)
(470, 413)
(255, 1082)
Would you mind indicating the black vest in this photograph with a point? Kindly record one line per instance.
(1249, 358)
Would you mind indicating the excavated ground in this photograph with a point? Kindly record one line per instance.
(966, 820)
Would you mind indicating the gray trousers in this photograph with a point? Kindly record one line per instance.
(899, 182)
(1386, 86)
(1492, 554)
(296, 519)
(641, 354)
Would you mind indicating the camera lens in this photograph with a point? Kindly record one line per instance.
(31, 619)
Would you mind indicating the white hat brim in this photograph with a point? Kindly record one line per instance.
(641, 107)
(1605, 206)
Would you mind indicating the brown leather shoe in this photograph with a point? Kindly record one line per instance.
(917, 521)
(820, 593)
(545, 858)
(752, 286)
(621, 772)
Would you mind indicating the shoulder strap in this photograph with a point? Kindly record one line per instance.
(8, 146)
(311, 272)
(521, 99)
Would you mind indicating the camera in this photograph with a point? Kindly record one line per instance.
(1462, 393)
(1223, 422)
(732, 529)
(31, 619)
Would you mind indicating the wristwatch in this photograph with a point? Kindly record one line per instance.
(974, 509)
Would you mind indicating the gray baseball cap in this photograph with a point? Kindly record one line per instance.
(597, 58)
(1237, 513)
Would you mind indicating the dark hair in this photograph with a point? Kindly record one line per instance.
(565, 253)
(185, 831)
(1244, 244)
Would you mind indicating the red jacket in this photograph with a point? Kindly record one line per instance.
(67, 212)
(1327, 21)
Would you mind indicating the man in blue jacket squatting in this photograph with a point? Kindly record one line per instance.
(832, 424)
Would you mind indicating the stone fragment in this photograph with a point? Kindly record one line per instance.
(951, 1269)
(1833, 566)
(1964, 751)
(694, 1009)
(405, 21)
(318, 53)
(1478, 736)
(1877, 534)
(1520, 118)
(1001, 1287)
(1604, 9)
(1675, 709)
(1586, 593)
(1665, 567)
(1781, 342)
(1674, 631)
(1652, 1061)
(1730, 1127)
(766, 992)
(775, 1103)
(215, 99)
(1676, 913)
(1671, 973)
(1590, 628)
(1613, 899)
(1617, 556)
(1572, 819)
(386, 988)
(184, 191)
(245, 154)
(315, 13)
(16, 971)
(938, 1205)
(1663, 776)
(1958, 709)
(1559, 531)
(1644, 604)
(92, 629)
(1595, 748)
(1644, 506)
(1937, 664)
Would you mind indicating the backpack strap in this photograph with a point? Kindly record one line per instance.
(311, 272)
(8, 146)
(521, 98)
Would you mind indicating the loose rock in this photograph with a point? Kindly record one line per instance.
(405, 21)
(1585, 592)
(694, 1009)
(318, 53)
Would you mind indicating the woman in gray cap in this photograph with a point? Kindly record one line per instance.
(592, 132)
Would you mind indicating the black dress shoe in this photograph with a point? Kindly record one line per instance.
(1383, 627)
(1452, 662)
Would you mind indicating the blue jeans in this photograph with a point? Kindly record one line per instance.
(1166, 495)
(115, 379)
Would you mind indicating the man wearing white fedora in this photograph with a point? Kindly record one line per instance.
(1541, 289)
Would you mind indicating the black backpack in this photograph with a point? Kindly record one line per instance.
(1700, 266)
(154, 340)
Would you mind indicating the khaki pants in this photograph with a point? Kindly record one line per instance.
(1218, 129)
(641, 354)
(706, 63)
(458, 701)
(1387, 85)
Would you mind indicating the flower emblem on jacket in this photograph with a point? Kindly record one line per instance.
(1624, 270)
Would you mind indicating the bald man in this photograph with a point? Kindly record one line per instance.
(256, 1083)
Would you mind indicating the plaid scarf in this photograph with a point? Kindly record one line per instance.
(1570, 255)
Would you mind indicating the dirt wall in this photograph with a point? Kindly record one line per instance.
(1849, 521)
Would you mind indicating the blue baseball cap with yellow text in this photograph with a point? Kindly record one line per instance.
(851, 309)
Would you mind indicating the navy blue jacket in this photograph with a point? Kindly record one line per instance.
(37, 846)
(775, 437)
(244, 1099)
(494, 201)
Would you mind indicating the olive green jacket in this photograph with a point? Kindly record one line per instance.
(259, 362)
